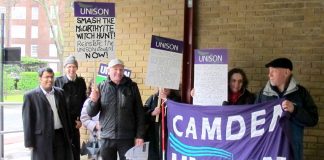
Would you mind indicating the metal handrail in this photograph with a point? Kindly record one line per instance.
(2, 132)
(6, 132)
(10, 103)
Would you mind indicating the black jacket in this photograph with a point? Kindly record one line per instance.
(245, 98)
(38, 123)
(304, 115)
(75, 94)
(121, 110)
(154, 128)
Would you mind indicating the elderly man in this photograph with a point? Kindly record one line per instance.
(45, 119)
(75, 90)
(298, 102)
(121, 112)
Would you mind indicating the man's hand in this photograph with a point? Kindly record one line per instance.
(157, 111)
(139, 141)
(94, 96)
(78, 123)
(192, 92)
(288, 106)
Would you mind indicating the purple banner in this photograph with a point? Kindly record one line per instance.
(211, 56)
(249, 132)
(94, 9)
(167, 44)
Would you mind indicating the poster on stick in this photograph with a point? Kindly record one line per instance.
(210, 76)
(164, 64)
(94, 30)
(103, 73)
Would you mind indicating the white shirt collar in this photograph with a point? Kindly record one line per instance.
(43, 90)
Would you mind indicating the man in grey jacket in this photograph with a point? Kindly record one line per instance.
(121, 112)
(298, 102)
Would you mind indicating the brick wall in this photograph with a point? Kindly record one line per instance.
(254, 31)
(136, 22)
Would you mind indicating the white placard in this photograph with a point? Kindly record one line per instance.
(164, 64)
(94, 31)
(210, 77)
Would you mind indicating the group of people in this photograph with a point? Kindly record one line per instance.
(54, 111)
(281, 84)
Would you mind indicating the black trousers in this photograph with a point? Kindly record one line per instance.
(59, 146)
(76, 144)
(110, 147)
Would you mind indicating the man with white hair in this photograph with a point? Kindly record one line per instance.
(121, 112)
(298, 102)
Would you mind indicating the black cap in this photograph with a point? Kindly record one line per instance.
(280, 63)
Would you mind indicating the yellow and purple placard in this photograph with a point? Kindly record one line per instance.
(94, 31)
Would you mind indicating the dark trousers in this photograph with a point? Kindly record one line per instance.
(110, 147)
(59, 146)
(76, 144)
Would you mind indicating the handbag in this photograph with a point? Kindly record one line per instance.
(91, 148)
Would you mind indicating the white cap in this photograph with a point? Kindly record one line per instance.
(114, 62)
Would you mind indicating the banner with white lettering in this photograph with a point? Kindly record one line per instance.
(164, 64)
(210, 76)
(249, 132)
(94, 30)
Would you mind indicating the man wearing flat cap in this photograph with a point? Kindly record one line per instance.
(121, 112)
(74, 88)
(298, 101)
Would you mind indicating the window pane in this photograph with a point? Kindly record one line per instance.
(18, 31)
(33, 49)
(35, 13)
(18, 12)
(53, 10)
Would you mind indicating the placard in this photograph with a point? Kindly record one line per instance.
(210, 76)
(164, 64)
(94, 30)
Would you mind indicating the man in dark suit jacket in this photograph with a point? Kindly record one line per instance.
(46, 120)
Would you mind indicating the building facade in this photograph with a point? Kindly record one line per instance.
(27, 26)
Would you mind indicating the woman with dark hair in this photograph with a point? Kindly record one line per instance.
(237, 88)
